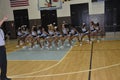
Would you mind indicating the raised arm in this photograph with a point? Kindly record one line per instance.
(4, 19)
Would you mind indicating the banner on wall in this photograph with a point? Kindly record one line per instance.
(19, 3)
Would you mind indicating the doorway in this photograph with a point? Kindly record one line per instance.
(48, 17)
(21, 18)
(79, 14)
(112, 13)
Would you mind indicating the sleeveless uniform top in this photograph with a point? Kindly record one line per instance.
(2, 41)
(44, 34)
(72, 31)
(84, 30)
(92, 28)
(25, 33)
(19, 33)
(33, 34)
(39, 32)
(97, 28)
(51, 33)
(64, 31)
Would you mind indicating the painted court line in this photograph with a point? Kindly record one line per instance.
(30, 60)
(91, 58)
(47, 67)
(96, 69)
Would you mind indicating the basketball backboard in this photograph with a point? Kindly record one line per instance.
(49, 4)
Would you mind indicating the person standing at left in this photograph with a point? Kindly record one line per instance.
(3, 58)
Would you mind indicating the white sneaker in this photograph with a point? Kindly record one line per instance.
(80, 44)
(58, 48)
(17, 46)
(90, 42)
(47, 48)
(61, 47)
(71, 46)
(24, 47)
(30, 48)
(98, 41)
(21, 43)
(68, 44)
(36, 46)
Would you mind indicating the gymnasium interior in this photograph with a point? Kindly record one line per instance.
(98, 60)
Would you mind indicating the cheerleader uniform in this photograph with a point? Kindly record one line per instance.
(64, 32)
(84, 30)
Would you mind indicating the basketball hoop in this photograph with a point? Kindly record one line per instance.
(48, 4)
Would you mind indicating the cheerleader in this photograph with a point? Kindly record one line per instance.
(22, 33)
(84, 33)
(57, 37)
(44, 37)
(39, 31)
(73, 33)
(25, 34)
(64, 35)
(51, 33)
(98, 31)
(32, 37)
(19, 34)
(93, 31)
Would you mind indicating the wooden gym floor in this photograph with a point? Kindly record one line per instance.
(96, 61)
